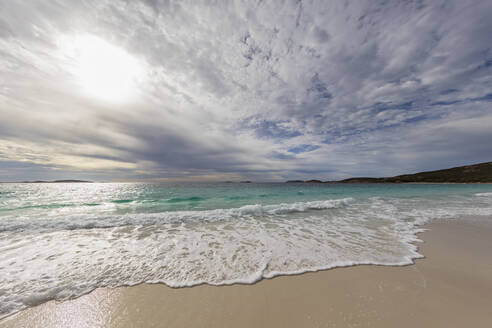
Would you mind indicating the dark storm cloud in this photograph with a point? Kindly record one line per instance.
(265, 90)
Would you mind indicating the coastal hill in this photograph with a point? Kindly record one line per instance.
(477, 173)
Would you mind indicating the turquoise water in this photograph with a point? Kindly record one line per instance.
(59, 241)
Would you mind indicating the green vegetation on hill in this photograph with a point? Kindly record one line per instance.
(477, 173)
(470, 173)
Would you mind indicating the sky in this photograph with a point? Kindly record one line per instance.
(242, 90)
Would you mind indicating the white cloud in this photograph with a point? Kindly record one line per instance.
(231, 87)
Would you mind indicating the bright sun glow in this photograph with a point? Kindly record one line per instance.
(104, 71)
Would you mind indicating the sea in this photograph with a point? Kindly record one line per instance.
(62, 240)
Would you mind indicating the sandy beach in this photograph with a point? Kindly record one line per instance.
(450, 287)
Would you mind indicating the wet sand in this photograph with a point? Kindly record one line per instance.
(450, 287)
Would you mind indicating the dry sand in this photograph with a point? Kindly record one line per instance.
(451, 287)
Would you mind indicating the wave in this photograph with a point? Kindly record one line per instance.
(185, 199)
(122, 201)
(263, 242)
(93, 219)
(66, 259)
(484, 194)
(41, 206)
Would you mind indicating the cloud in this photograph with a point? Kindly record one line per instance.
(265, 90)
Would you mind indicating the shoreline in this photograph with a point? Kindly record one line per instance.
(451, 286)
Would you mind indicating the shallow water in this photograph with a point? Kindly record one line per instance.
(59, 241)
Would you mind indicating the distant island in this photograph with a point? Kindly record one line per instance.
(58, 181)
(477, 173)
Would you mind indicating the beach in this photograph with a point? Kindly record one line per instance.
(245, 164)
(450, 287)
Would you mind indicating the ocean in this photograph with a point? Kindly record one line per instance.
(62, 240)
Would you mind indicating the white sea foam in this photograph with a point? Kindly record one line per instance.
(484, 194)
(74, 252)
(80, 217)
